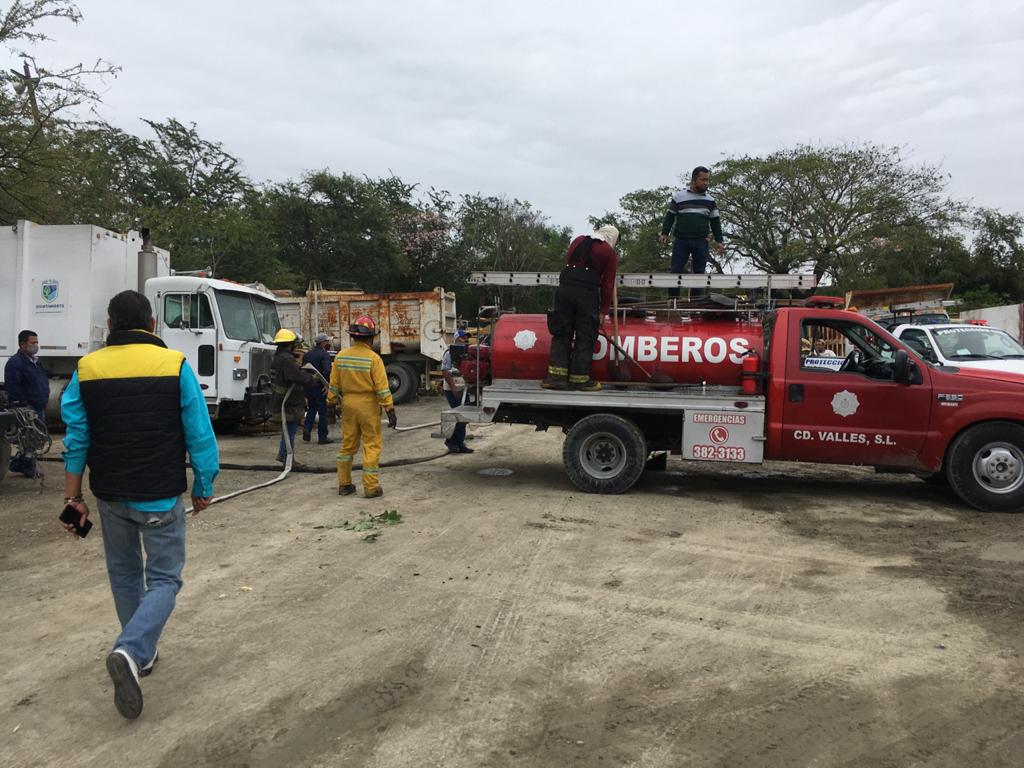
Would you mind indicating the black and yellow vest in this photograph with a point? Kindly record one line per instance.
(131, 390)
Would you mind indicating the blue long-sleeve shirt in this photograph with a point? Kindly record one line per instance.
(200, 442)
(25, 381)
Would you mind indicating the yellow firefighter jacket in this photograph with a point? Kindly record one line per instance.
(358, 372)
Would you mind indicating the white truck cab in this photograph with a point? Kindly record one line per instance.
(226, 331)
(964, 345)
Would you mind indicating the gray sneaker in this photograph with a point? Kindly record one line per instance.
(125, 674)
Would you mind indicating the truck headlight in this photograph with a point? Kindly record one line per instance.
(240, 374)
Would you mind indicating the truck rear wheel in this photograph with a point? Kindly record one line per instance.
(604, 453)
(403, 381)
(985, 466)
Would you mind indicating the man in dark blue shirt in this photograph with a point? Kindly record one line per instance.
(26, 384)
(316, 398)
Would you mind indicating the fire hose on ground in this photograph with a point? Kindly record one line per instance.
(290, 457)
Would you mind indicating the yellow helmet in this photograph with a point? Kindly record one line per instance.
(284, 336)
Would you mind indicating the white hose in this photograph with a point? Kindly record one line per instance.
(287, 461)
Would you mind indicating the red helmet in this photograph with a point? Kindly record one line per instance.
(363, 326)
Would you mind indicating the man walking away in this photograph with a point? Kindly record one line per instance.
(690, 213)
(582, 299)
(26, 384)
(454, 385)
(360, 381)
(133, 410)
(288, 384)
(316, 396)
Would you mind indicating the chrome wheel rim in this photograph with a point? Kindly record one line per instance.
(602, 455)
(999, 467)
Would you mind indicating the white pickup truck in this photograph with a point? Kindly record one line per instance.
(964, 346)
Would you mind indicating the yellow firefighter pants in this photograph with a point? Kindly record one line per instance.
(360, 418)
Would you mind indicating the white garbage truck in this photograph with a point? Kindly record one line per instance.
(58, 280)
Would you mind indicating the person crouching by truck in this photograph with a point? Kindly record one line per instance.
(582, 299)
(359, 381)
(288, 384)
(316, 396)
(454, 385)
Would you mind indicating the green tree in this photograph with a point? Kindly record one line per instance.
(502, 235)
(997, 255)
(639, 223)
(337, 229)
(39, 107)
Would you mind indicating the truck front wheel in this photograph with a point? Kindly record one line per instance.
(985, 466)
(604, 453)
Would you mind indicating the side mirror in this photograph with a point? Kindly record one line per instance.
(902, 372)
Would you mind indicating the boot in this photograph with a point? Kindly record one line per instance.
(378, 491)
(554, 382)
(346, 490)
(587, 386)
(305, 435)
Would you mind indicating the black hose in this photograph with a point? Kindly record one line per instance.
(301, 468)
(327, 470)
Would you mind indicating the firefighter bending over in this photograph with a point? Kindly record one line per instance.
(359, 380)
(582, 299)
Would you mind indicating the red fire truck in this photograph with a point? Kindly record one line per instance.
(745, 384)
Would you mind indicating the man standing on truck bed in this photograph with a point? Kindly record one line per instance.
(360, 381)
(582, 300)
(26, 384)
(690, 212)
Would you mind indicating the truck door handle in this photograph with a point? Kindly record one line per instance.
(796, 393)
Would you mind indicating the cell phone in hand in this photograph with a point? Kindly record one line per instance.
(72, 516)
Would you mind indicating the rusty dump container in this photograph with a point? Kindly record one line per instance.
(410, 322)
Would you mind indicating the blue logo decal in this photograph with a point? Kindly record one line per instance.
(50, 290)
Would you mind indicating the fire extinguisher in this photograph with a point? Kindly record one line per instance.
(750, 373)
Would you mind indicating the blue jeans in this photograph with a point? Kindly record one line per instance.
(282, 449)
(316, 406)
(459, 435)
(682, 250)
(143, 596)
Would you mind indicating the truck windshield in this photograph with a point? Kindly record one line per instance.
(977, 343)
(247, 317)
(267, 319)
(238, 317)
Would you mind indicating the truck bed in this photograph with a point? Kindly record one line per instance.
(626, 395)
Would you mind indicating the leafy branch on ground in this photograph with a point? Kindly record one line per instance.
(367, 523)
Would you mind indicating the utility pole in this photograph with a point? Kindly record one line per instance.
(28, 83)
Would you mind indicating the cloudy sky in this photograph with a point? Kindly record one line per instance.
(569, 105)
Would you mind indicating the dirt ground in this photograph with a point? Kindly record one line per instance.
(781, 615)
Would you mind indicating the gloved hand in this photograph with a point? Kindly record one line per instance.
(392, 418)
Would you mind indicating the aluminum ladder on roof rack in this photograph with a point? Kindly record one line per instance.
(658, 280)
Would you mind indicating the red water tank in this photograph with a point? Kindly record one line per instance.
(687, 351)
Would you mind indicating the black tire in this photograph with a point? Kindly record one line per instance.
(5, 457)
(985, 466)
(403, 381)
(604, 453)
